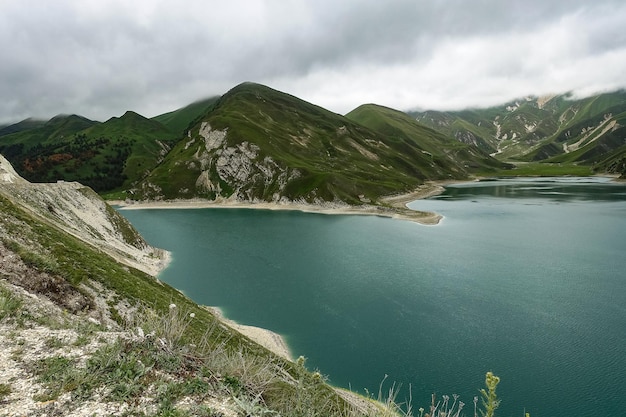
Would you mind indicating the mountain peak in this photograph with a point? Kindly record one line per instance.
(132, 114)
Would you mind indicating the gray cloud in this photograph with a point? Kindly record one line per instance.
(104, 57)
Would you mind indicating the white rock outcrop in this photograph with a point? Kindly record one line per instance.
(78, 210)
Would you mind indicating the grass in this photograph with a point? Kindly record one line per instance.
(179, 120)
(10, 304)
(5, 391)
(187, 341)
(306, 152)
(160, 364)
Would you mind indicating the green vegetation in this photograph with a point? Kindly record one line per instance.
(280, 147)
(5, 390)
(104, 156)
(559, 129)
(275, 145)
(9, 303)
(437, 152)
(179, 121)
(490, 399)
(26, 124)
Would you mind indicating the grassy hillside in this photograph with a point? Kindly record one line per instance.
(179, 121)
(100, 303)
(261, 144)
(105, 156)
(26, 124)
(441, 154)
(135, 145)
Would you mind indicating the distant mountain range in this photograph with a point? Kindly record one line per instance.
(258, 144)
(553, 129)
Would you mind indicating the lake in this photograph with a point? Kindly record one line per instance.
(523, 277)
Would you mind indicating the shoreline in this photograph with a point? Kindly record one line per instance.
(270, 340)
(395, 206)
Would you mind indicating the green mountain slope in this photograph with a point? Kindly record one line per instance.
(261, 144)
(26, 124)
(104, 156)
(133, 146)
(179, 120)
(440, 155)
(553, 129)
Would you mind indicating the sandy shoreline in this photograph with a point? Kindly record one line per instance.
(393, 206)
(264, 337)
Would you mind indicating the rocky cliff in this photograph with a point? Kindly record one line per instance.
(79, 211)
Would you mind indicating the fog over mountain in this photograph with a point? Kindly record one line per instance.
(103, 58)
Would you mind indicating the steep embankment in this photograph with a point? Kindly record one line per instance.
(81, 212)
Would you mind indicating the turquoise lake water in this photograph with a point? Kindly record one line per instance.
(526, 278)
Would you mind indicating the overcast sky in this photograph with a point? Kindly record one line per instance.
(101, 58)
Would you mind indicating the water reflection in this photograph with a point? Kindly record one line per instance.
(561, 190)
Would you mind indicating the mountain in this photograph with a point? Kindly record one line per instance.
(87, 329)
(131, 145)
(440, 154)
(556, 129)
(26, 124)
(179, 120)
(259, 144)
(104, 156)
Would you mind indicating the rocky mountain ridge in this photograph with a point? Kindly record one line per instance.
(553, 129)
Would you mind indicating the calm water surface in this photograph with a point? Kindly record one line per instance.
(526, 278)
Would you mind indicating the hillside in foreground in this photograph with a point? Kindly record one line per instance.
(86, 332)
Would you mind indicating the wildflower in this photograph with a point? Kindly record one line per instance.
(444, 406)
(456, 397)
(461, 404)
(475, 402)
(301, 360)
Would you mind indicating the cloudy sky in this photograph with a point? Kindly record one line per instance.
(99, 58)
